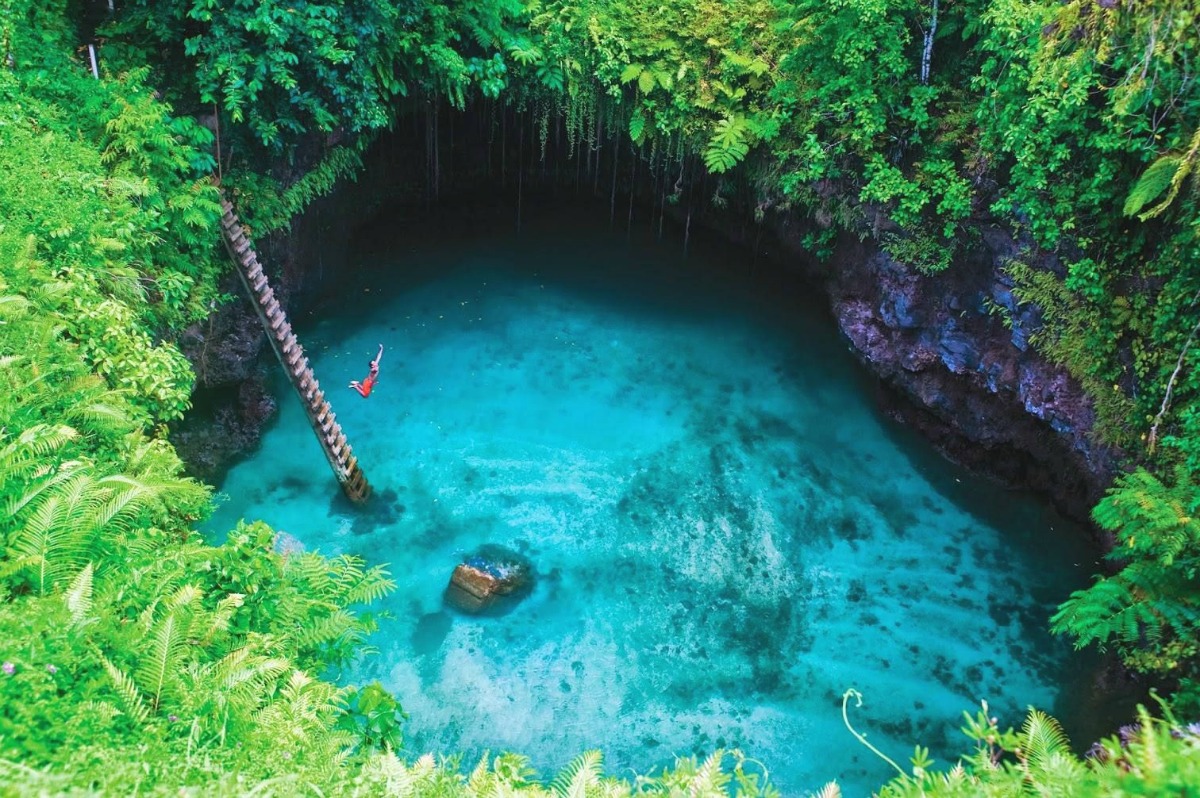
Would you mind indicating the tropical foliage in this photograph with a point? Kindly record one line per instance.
(1150, 609)
(1151, 757)
(287, 69)
(137, 655)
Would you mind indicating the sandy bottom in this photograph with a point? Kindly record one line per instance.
(727, 535)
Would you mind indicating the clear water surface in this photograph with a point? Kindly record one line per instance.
(727, 534)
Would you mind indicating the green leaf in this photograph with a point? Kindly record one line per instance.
(728, 145)
(1151, 184)
(646, 81)
(631, 72)
(637, 126)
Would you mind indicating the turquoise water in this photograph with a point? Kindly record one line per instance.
(727, 534)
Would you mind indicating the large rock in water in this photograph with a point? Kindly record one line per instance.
(491, 574)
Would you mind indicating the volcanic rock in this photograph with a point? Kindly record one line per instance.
(491, 574)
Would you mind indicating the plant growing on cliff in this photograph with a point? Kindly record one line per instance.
(284, 70)
(1150, 609)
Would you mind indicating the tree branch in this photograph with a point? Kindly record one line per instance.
(1166, 402)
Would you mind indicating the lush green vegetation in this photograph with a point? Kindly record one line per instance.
(1151, 757)
(137, 655)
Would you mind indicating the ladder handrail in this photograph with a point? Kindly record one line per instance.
(300, 374)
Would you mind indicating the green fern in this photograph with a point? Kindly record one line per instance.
(1045, 755)
(55, 535)
(729, 144)
(524, 52)
(637, 126)
(578, 777)
(169, 636)
(1042, 737)
(79, 597)
(482, 782)
(127, 690)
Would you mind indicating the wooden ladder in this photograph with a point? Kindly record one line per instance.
(291, 355)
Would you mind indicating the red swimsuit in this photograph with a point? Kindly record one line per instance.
(367, 385)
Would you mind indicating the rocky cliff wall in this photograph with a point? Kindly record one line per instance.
(949, 366)
(952, 367)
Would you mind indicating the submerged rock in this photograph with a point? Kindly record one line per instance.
(491, 574)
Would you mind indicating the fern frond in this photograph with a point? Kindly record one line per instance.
(79, 596)
(127, 690)
(122, 503)
(637, 126)
(55, 535)
(830, 790)
(582, 774)
(729, 144)
(161, 665)
(482, 782)
(218, 620)
(317, 632)
(16, 461)
(711, 778)
(251, 684)
(185, 597)
(1151, 184)
(1041, 738)
(370, 587)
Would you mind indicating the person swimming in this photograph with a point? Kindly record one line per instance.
(364, 388)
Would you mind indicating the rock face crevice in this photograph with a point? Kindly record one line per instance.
(953, 368)
(231, 403)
